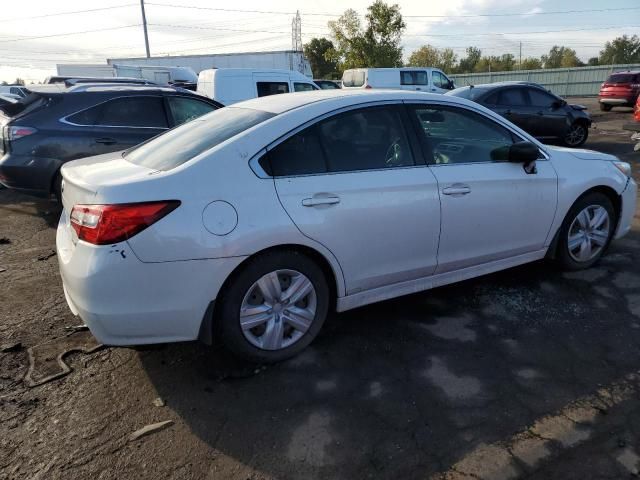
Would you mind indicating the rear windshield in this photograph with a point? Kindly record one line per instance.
(468, 92)
(622, 78)
(181, 144)
(353, 78)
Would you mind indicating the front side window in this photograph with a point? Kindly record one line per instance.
(453, 135)
(302, 87)
(185, 109)
(272, 88)
(440, 80)
(512, 97)
(366, 139)
(539, 98)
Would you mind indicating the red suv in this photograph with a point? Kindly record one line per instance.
(619, 90)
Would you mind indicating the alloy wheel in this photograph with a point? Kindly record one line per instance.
(589, 233)
(278, 309)
(575, 135)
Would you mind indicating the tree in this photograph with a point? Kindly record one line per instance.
(429, 56)
(530, 63)
(494, 63)
(468, 63)
(377, 45)
(19, 81)
(561, 57)
(318, 51)
(593, 61)
(622, 49)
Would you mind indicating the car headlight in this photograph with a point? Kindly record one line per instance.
(624, 167)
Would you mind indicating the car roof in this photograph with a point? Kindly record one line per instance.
(99, 87)
(281, 103)
(632, 72)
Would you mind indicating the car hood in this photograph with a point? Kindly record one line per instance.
(577, 107)
(584, 154)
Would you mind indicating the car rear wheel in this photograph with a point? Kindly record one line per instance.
(604, 107)
(576, 135)
(586, 231)
(273, 308)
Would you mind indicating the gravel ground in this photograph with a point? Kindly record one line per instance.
(528, 373)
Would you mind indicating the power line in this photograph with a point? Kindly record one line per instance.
(517, 33)
(20, 39)
(31, 17)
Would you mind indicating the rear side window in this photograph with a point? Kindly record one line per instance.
(353, 78)
(302, 87)
(272, 88)
(183, 143)
(124, 112)
(184, 109)
(410, 77)
(365, 139)
(512, 97)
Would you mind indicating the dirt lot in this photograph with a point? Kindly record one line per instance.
(529, 373)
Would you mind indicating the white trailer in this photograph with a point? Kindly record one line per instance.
(280, 60)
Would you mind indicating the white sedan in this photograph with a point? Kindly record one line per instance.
(253, 222)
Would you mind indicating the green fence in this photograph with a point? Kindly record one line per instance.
(566, 82)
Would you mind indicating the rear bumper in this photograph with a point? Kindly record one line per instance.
(125, 301)
(618, 100)
(629, 199)
(29, 174)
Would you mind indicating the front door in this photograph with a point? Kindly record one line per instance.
(549, 119)
(490, 209)
(353, 183)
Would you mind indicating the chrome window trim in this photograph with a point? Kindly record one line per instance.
(65, 121)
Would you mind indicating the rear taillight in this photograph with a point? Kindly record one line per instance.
(16, 132)
(103, 224)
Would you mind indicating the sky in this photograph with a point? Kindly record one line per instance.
(41, 33)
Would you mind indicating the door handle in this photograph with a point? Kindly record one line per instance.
(457, 189)
(106, 141)
(315, 201)
(433, 89)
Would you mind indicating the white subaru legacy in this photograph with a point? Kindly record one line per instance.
(251, 223)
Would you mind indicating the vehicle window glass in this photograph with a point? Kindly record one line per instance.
(439, 80)
(185, 109)
(272, 88)
(365, 139)
(511, 97)
(491, 99)
(300, 154)
(621, 78)
(539, 98)
(181, 144)
(412, 77)
(327, 85)
(302, 87)
(15, 91)
(454, 135)
(133, 112)
(352, 78)
(472, 93)
(86, 117)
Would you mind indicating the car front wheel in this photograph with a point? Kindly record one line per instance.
(576, 135)
(586, 231)
(274, 307)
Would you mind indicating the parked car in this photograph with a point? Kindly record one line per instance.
(327, 84)
(409, 78)
(534, 109)
(621, 89)
(251, 223)
(55, 124)
(18, 90)
(232, 85)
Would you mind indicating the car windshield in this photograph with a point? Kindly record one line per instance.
(177, 146)
(471, 93)
(622, 78)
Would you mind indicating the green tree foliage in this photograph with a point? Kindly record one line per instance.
(376, 45)
(622, 49)
(593, 61)
(319, 52)
(561, 57)
(530, 63)
(495, 63)
(468, 63)
(429, 56)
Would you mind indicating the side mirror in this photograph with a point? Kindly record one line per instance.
(522, 152)
(451, 85)
(557, 104)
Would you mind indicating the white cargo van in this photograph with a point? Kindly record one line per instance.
(425, 79)
(231, 85)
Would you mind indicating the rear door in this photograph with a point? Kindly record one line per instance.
(353, 182)
(512, 104)
(117, 124)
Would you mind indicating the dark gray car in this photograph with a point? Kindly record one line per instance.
(534, 109)
(54, 125)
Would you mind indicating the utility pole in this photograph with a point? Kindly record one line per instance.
(144, 25)
(520, 65)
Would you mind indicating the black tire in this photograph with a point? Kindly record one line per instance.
(581, 133)
(227, 314)
(563, 255)
(57, 187)
(604, 107)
